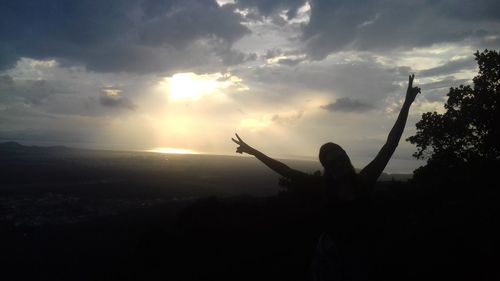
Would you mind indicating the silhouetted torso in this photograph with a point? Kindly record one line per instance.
(348, 223)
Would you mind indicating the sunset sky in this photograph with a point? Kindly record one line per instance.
(286, 75)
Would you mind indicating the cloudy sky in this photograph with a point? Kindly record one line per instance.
(287, 75)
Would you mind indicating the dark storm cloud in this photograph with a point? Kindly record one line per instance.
(386, 25)
(267, 8)
(188, 20)
(114, 35)
(234, 57)
(383, 25)
(111, 97)
(469, 10)
(348, 105)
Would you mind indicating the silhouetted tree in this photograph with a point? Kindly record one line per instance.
(463, 143)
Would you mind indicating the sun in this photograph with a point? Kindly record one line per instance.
(189, 86)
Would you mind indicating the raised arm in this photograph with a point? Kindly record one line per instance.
(275, 165)
(372, 171)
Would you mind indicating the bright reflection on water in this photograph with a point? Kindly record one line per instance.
(173, 150)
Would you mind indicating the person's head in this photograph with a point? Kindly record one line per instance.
(335, 160)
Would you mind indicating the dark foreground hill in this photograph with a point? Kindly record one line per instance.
(90, 215)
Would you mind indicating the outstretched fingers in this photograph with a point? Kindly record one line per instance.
(239, 142)
(410, 80)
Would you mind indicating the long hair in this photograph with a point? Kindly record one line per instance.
(341, 155)
(341, 158)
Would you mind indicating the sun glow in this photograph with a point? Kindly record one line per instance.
(191, 86)
(172, 150)
(183, 86)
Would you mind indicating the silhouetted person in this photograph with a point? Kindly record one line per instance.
(338, 254)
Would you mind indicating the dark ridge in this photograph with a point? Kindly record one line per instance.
(12, 145)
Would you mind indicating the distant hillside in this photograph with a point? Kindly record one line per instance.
(12, 145)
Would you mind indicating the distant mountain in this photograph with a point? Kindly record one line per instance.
(15, 146)
(11, 145)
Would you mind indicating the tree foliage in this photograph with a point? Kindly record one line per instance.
(466, 137)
